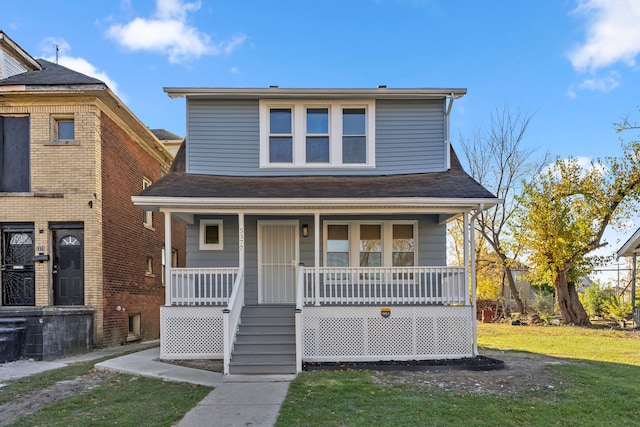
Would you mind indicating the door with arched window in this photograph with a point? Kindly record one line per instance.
(68, 267)
(17, 271)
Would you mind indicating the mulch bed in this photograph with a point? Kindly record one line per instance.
(478, 363)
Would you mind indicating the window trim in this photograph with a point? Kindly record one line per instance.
(354, 239)
(55, 139)
(299, 132)
(201, 235)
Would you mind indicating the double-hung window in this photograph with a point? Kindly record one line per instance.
(370, 244)
(317, 134)
(280, 136)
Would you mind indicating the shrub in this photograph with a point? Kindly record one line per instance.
(595, 298)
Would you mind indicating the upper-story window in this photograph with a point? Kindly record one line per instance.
(15, 170)
(333, 134)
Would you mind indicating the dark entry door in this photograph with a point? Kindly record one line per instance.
(18, 273)
(68, 267)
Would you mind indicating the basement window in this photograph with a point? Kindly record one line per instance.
(134, 327)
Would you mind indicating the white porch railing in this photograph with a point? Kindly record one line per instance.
(201, 286)
(231, 318)
(385, 285)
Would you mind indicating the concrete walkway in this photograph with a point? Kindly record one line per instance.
(237, 400)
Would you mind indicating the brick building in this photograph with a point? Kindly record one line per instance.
(81, 265)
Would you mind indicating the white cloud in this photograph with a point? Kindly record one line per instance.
(613, 34)
(168, 32)
(604, 84)
(48, 47)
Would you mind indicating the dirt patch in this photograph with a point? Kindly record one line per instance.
(523, 372)
(33, 402)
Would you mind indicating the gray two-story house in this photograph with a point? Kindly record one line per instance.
(316, 228)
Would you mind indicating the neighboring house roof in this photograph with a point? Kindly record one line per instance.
(631, 246)
(50, 75)
(452, 184)
(165, 135)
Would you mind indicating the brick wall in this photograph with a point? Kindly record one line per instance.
(127, 242)
(63, 182)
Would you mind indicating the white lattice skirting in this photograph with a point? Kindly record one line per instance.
(191, 333)
(353, 334)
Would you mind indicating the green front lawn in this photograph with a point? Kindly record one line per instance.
(602, 390)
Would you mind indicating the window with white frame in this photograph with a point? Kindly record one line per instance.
(148, 215)
(211, 235)
(317, 134)
(370, 243)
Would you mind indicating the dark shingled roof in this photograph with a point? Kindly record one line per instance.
(50, 75)
(454, 183)
(165, 135)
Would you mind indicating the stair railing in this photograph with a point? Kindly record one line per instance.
(298, 317)
(231, 317)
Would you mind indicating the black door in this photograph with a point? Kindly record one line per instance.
(18, 273)
(68, 267)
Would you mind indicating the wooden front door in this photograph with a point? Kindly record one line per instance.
(277, 261)
(68, 267)
(18, 272)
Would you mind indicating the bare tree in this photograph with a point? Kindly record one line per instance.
(498, 159)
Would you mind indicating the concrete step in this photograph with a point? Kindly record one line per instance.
(12, 321)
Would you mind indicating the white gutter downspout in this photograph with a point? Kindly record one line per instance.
(473, 279)
(447, 130)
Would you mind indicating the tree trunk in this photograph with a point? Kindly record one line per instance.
(514, 290)
(571, 309)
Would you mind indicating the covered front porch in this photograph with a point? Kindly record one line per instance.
(422, 309)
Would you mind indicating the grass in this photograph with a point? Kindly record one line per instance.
(602, 390)
(119, 400)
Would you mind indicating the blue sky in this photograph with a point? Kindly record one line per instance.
(572, 63)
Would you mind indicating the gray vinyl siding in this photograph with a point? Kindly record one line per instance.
(223, 138)
(431, 244)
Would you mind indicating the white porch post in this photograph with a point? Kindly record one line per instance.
(241, 241)
(634, 258)
(472, 260)
(316, 259)
(167, 258)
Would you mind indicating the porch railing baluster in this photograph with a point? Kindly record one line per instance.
(385, 285)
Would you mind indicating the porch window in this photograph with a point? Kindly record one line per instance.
(404, 252)
(337, 245)
(211, 235)
(370, 245)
